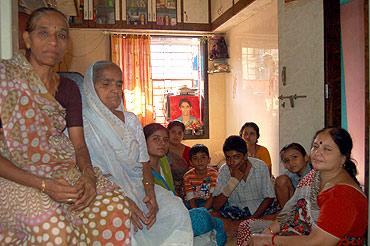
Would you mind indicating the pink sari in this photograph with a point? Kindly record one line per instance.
(32, 139)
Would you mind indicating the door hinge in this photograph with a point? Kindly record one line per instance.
(326, 91)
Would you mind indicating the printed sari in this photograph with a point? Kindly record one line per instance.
(302, 212)
(32, 139)
(297, 216)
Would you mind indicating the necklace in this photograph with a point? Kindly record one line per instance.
(253, 152)
(53, 84)
(329, 182)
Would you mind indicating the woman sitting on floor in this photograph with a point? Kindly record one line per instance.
(250, 132)
(117, 145)
(49, 192)
(178, 155)
(328, 207)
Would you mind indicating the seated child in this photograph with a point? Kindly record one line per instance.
(296, 161)
(200, 181)
(244, 188)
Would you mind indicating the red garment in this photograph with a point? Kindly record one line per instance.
(343, 212)
(186, 155)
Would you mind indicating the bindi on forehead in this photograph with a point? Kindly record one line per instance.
(52, 27)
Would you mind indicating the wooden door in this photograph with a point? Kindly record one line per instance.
(301, 66)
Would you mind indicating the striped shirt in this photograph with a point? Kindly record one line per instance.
(199, 187)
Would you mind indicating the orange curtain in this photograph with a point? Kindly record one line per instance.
(132, 54)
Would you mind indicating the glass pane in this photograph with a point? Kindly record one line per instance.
(178, 83)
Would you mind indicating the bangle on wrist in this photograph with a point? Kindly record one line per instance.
(269, 228)
(43, 186)
(273, 239)
(145, 182)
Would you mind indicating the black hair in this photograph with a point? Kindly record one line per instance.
(37, 13)
(236, 143)
(344, 142)
(176, 123)
(198, 148)
(250, 124)
(295, 146)
(185, 100)
(152, 128)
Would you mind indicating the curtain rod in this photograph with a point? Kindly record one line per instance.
(153, 32)
(161, 32)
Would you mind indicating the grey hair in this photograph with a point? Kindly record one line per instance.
(99, 66)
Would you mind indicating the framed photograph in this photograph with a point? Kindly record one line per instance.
(137, 12)
(187, 109)
(166, 12)
(105, 12)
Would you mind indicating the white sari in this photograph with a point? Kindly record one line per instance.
(119, 149)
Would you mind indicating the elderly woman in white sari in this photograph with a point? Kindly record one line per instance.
(117, 145)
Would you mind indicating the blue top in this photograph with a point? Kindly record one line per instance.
(295, 177)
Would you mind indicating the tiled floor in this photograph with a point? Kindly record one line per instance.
(231, 228)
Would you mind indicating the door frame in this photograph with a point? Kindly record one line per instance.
(332, 52)
(332, 69)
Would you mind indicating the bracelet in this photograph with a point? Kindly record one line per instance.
(270, 230)
(43, 186)
(273, 239)
(147, 183)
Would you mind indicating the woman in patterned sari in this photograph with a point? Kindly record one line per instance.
(334, 209)
(49, 192)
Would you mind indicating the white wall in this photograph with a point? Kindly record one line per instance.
(6, 48)
(253, 100)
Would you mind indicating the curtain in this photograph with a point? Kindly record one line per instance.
(132, 54)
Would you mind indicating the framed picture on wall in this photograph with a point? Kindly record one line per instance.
(187, 109)
(137, 12)
(166, 12)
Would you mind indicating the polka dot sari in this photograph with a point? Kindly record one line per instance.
(32, 139)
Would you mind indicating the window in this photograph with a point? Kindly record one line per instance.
(180, 89)
(259, 63)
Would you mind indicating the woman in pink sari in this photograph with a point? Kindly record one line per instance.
(49, 192)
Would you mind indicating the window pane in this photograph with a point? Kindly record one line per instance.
(177, 72)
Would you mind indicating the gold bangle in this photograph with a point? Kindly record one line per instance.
(43, 186)
(270, 230)
(147, 183)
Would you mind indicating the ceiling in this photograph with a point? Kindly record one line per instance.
(248, 12)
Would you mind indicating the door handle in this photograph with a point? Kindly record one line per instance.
(291, 99)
